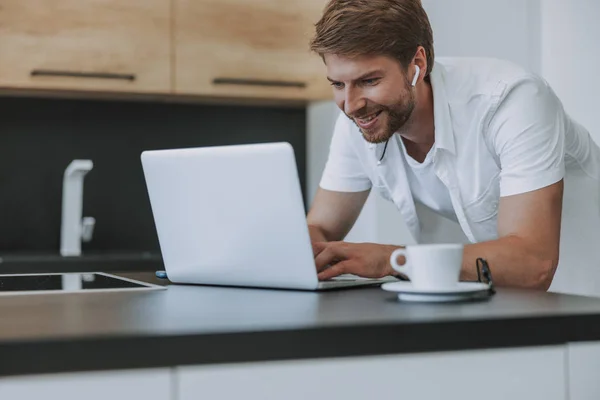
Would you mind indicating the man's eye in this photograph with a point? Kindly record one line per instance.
(337, 85)
(371, 81)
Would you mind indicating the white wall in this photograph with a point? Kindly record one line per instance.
(507, 29)
(570, 57)
(570, 62)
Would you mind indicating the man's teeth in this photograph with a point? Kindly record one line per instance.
(367, 119)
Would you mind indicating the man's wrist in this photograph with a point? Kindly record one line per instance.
(316, 234)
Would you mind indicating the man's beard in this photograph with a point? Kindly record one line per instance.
(398, 118)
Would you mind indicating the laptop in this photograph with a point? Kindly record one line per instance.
(234, 216)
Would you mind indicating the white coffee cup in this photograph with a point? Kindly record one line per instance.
(430, 266)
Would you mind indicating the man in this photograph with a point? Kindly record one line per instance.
(480, 141)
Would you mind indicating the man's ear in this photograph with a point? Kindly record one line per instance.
(420, 59)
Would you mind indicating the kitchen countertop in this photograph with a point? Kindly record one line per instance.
(187, 324)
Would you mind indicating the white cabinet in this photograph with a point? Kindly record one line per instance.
(526, 373)
(548, 373)
(584, 370)
(149, 384)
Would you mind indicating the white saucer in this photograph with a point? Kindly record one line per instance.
(461, 291)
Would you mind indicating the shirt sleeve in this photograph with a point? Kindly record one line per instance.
(528, 136)
(344, 171)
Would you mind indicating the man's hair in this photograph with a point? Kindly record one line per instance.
(393, 28)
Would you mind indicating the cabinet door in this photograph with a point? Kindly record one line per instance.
(524, 373)
(584, 369)
(146, 384)
(105, 45)
(248, 49)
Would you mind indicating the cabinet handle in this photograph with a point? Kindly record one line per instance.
(258, 82)
(71, 74)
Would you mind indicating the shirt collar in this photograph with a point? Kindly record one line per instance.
(444, 135)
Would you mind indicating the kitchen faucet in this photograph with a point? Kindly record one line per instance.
(74, 229)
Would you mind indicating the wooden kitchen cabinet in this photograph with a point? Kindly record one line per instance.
(248, 49)
(97, 45)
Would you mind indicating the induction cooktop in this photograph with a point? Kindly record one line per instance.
(69, 283)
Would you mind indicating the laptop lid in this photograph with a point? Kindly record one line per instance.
(231, 215)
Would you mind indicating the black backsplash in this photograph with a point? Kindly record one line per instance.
(40, 137)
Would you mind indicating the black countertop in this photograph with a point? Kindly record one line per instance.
(186, 325)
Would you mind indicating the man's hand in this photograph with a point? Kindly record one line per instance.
(367, 260)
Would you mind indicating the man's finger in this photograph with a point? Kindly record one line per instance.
(333, 271)
(330, 255)
(318, 247)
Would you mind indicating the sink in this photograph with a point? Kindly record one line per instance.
(11, 263)
(70, 282)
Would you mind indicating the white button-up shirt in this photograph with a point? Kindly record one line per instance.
(499, 131)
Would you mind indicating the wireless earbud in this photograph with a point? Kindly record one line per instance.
(417, 72)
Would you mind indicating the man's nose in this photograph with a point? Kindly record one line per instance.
(353, 102)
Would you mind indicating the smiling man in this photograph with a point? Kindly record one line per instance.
(482, 142)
